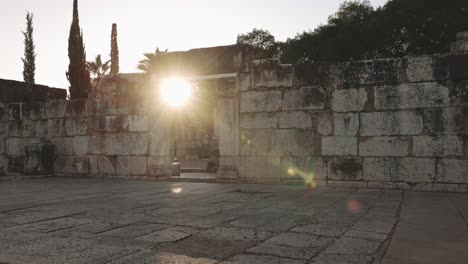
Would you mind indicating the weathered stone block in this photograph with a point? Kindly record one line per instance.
(81, 145)
(260, 101)
(39, 159)
(263, 167)
(245, 81)
(269, 73)
(420, 69)
(16, 164)
(81, 165)
(122, 165)
(305, 98)
(35, 110)
(110, 124)
(259, 121)
(15, 146)
(40, 128)
(15, 111)
(104, 164)
(160, 166)
(137, 123)
(3, 112)
(295, 120)
(350, 100)
(437, 146)
(384, 146)
(120, 144)
(63, 146)
(3, 165)
(451, 120)
(452, 171)
(339, 146)
(64, 165)
(325, 123)
(303, 168)
(231, 167)
(356, 73)
(278, 142)
(390, 123)
(345, 169)
(390, 169)
(56, 127)
(412, 95)
(138, 165)
(228, 127)
(346, 124)
(76, 108)
(56, 108)
(78, 126)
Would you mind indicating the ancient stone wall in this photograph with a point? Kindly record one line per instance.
(391, 123)
(112, 134)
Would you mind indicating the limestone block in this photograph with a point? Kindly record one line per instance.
(305, 98)
(39, 159)
(420, 69)
(245, 81)
(105, 164)
(384, 146)
(15, 111)
(122, 165)
(138, 123)
(269, 73)
(345, 169)
(350, 100)
(346, 124)
(81, 165)
(138, 165)
(452, 171)
(392, 169)
(259, 121)
(76, 108)
(390, 123)
(120, 144)
(339, 146)
(110, 123)
(325, 123)
(78, 126)
(63, 146)
(227, 113)
(64, 165)
(437, 146)
(231, 167)
(162, 141)
(305, 168)
(160, 166)
(263, 167)
(411, 95)
(278, 142)
(2, 146)
(81, 145)
(3, 165)
(40, 128)
(450, 120)
(3, 112)
(268, 101)
(460, 94)
(15, 164)
(56, 127)
(35, 110)
(56, 108)
(15, 128)
(295, 119)
(15, 146)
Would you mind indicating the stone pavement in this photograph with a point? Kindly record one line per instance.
(115, 221)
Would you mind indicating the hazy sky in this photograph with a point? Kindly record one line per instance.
(143, 25)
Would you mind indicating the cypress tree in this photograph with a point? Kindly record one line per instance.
(29, 60)
(114, 51)
(78, 75)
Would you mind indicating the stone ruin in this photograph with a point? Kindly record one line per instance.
(388, 123)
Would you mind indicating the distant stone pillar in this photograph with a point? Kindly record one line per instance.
(460, 46)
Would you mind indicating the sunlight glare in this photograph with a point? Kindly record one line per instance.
(176, 92)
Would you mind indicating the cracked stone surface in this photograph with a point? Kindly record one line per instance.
(57, 220)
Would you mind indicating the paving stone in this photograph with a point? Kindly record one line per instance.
(135, 230)
(165, 235)
(299, 240)
(248, 259)
(226, 233)
(150, 257)
(366, 234)
(322, 229)
(282, 251)
(353, 246)
(342, 259)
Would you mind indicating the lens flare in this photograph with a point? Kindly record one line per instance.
(176, 92)
(176, 190)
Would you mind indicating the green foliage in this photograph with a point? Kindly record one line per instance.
(98, 69)
(146, 64)
(29, 60)
(359, 31)
(264, 43)
(77, 74)
(114, 51)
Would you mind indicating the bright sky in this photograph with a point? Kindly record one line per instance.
(143, 25)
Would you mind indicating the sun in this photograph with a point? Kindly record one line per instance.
(175, 91)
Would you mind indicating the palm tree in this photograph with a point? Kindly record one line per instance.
(145, 64)
(98, 69)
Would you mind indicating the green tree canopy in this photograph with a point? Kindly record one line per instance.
(264, 43)
(29, 60)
